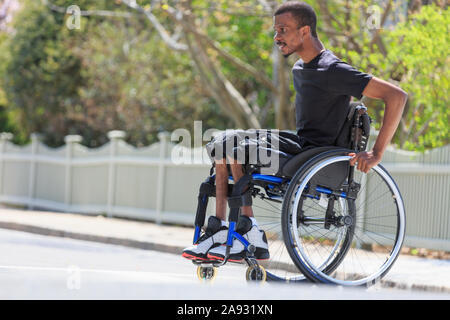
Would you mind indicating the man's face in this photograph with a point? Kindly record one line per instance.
(288, 37)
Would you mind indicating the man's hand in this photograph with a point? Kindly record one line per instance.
(366, 160)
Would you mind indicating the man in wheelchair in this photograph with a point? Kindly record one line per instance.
(324, 86)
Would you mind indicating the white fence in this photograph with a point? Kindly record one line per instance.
(144, 183)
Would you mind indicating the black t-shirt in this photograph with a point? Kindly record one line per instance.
(323, 88)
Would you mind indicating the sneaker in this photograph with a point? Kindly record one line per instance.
(215, 235)
(237, 252)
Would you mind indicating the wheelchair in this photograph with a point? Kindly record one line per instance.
(325, 221)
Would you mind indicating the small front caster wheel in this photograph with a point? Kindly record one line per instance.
(206, 273)
(256, 273)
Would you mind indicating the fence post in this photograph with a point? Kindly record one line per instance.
(70, 141)
(35, 139)
(4, 138)
(163, 139)
(114, 136)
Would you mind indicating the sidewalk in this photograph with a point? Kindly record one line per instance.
(408, 272)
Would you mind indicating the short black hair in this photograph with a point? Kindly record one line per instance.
(302, 11)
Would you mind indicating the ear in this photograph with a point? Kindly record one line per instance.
(305, 31)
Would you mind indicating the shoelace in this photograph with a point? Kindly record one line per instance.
(204, 236)
(208, 233)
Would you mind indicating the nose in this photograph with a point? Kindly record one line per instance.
(276, 37)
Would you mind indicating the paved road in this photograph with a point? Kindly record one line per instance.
(42, 267)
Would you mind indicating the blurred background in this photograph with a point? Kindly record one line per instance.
(88, 67)
(92, 92)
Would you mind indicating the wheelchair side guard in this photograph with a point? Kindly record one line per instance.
(299, 160)
(335, 179)
(332, 176)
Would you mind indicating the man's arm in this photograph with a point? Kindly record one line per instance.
(395, 100)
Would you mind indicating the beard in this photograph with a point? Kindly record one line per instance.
(291, 50)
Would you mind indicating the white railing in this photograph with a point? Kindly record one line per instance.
(119, 180)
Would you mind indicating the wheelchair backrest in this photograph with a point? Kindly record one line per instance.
(355, 132)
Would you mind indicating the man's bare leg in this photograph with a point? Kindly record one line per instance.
(221, 189)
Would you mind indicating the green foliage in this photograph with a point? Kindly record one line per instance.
(113, 74)
(419, 48)
(42, 76)
(117, 73)
(134, 83)
(7, 123)
(412, 54)
(248, 37)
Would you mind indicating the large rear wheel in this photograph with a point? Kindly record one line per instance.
(346, 231)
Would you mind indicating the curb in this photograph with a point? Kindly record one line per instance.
(93, 238)
(414, 287)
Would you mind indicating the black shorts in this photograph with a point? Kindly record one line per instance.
(266, 148)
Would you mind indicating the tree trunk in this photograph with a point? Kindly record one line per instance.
(284, 111)
(219, 87)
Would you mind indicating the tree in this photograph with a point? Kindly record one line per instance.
(134, 83)
(361, 33)
(215, 54)
(41, 77)
(191, 18)
(111, 75)
(418, 48)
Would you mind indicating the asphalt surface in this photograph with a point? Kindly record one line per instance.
(137, 254)
(36, 267)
